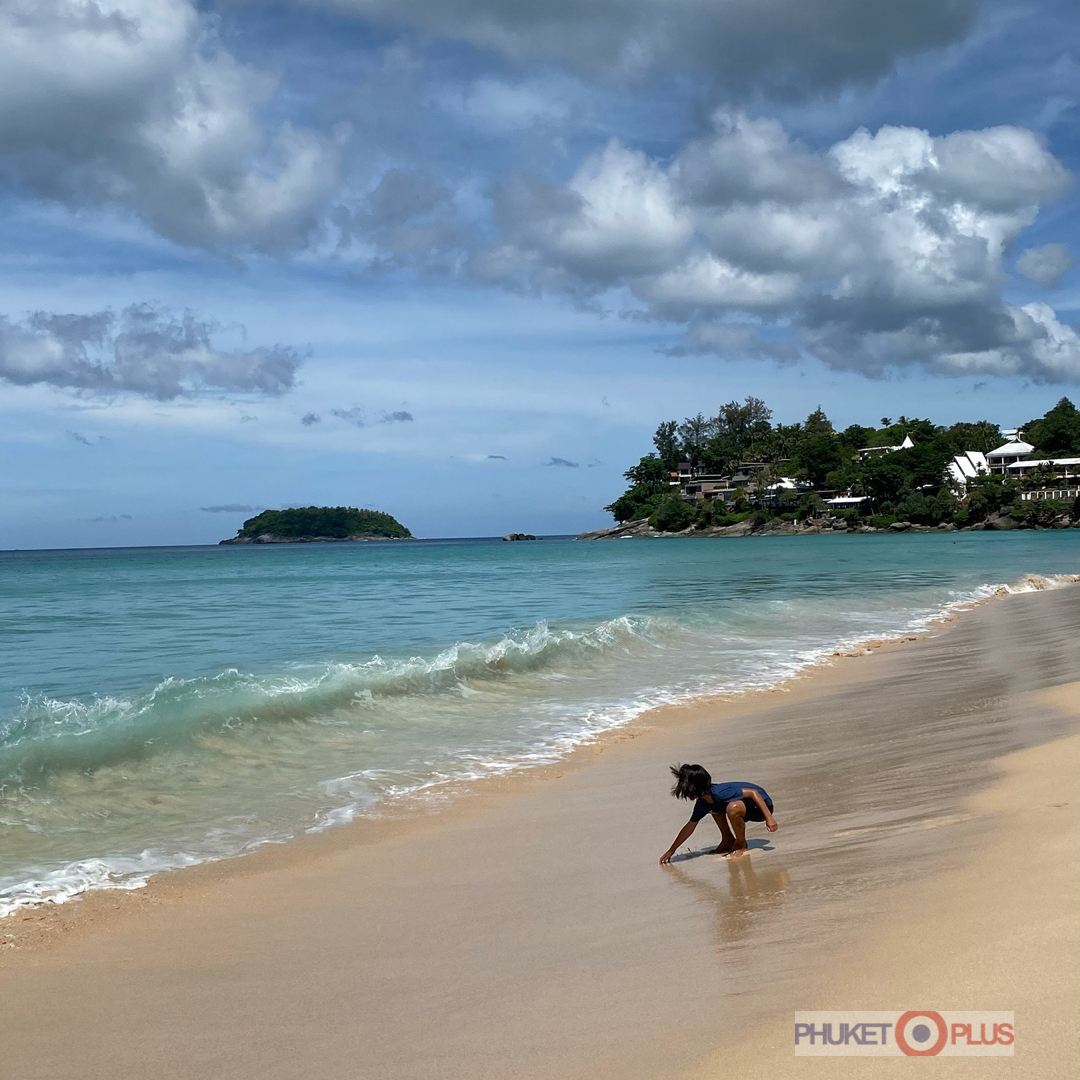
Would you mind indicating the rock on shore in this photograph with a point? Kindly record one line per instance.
(810, 527)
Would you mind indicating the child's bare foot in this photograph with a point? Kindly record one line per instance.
(737, 850)
(725, 849)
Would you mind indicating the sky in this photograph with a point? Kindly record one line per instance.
(455, 261)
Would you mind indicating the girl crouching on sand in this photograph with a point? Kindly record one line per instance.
(732, 805)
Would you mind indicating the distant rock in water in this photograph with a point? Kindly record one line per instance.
(319, 524)
(519, 536)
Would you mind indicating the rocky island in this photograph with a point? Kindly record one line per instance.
(319, 524)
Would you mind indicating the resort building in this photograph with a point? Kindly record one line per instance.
(965, 467)
(877, 451)
(848, 502)
(710, 486)
(1009, 453)
(1060, 477)
(1064, 467)
(696, 485)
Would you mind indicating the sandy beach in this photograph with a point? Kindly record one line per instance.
(926, 858)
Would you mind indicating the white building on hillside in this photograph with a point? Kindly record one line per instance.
(1067, 468)
(877, 451)
(965, 467)
(1008, 454)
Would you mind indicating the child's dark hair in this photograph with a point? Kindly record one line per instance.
(691, 781)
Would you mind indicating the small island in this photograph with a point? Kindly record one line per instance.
(319, 524)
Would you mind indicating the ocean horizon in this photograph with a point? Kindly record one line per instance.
(166, 706)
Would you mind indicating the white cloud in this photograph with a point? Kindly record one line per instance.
(145, 351)
(886, 249)
(134, 104)
(1046, 265)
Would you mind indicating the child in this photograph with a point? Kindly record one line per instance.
(736, 803)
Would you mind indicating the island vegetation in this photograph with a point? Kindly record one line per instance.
(809, 475)
(308, 524)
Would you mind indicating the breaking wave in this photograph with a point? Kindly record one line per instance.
(46, 735)
(48, 742)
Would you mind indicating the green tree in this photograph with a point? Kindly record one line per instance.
(649, 481)
(666, 441)
(1039, 513)
(672, 514)
(981, 435)
(650, 472)
(884, 478)
(916, 507)
(694, 433)
(1056, 434)
(988, 494)
(337, 522)
(817, 423)
(856, 436)
(744, 424)
(738, 432)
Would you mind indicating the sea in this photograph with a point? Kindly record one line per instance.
(164, 707)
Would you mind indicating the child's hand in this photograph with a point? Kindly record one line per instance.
(771, 825)
(666, 857)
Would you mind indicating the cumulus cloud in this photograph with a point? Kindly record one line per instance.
(145, 350)
(560, 462)
(135, 104)
(399, 416)
(310, 418)
(228, 508)
(1046, 265)
(885, 249)
(789, 46)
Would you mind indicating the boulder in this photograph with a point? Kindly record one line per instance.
(641, 527)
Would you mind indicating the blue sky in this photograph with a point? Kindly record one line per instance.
(456, 261)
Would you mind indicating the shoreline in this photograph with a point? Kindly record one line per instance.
(37, 923)
(528, 931)
(46, 923)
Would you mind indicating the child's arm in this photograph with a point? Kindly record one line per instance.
(684, 835)
(770, 821)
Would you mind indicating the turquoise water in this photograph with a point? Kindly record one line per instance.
(162, 707)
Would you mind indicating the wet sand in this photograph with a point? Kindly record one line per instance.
(999, 931)
(530, 933)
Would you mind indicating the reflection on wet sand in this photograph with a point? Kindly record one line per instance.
(738, 893)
